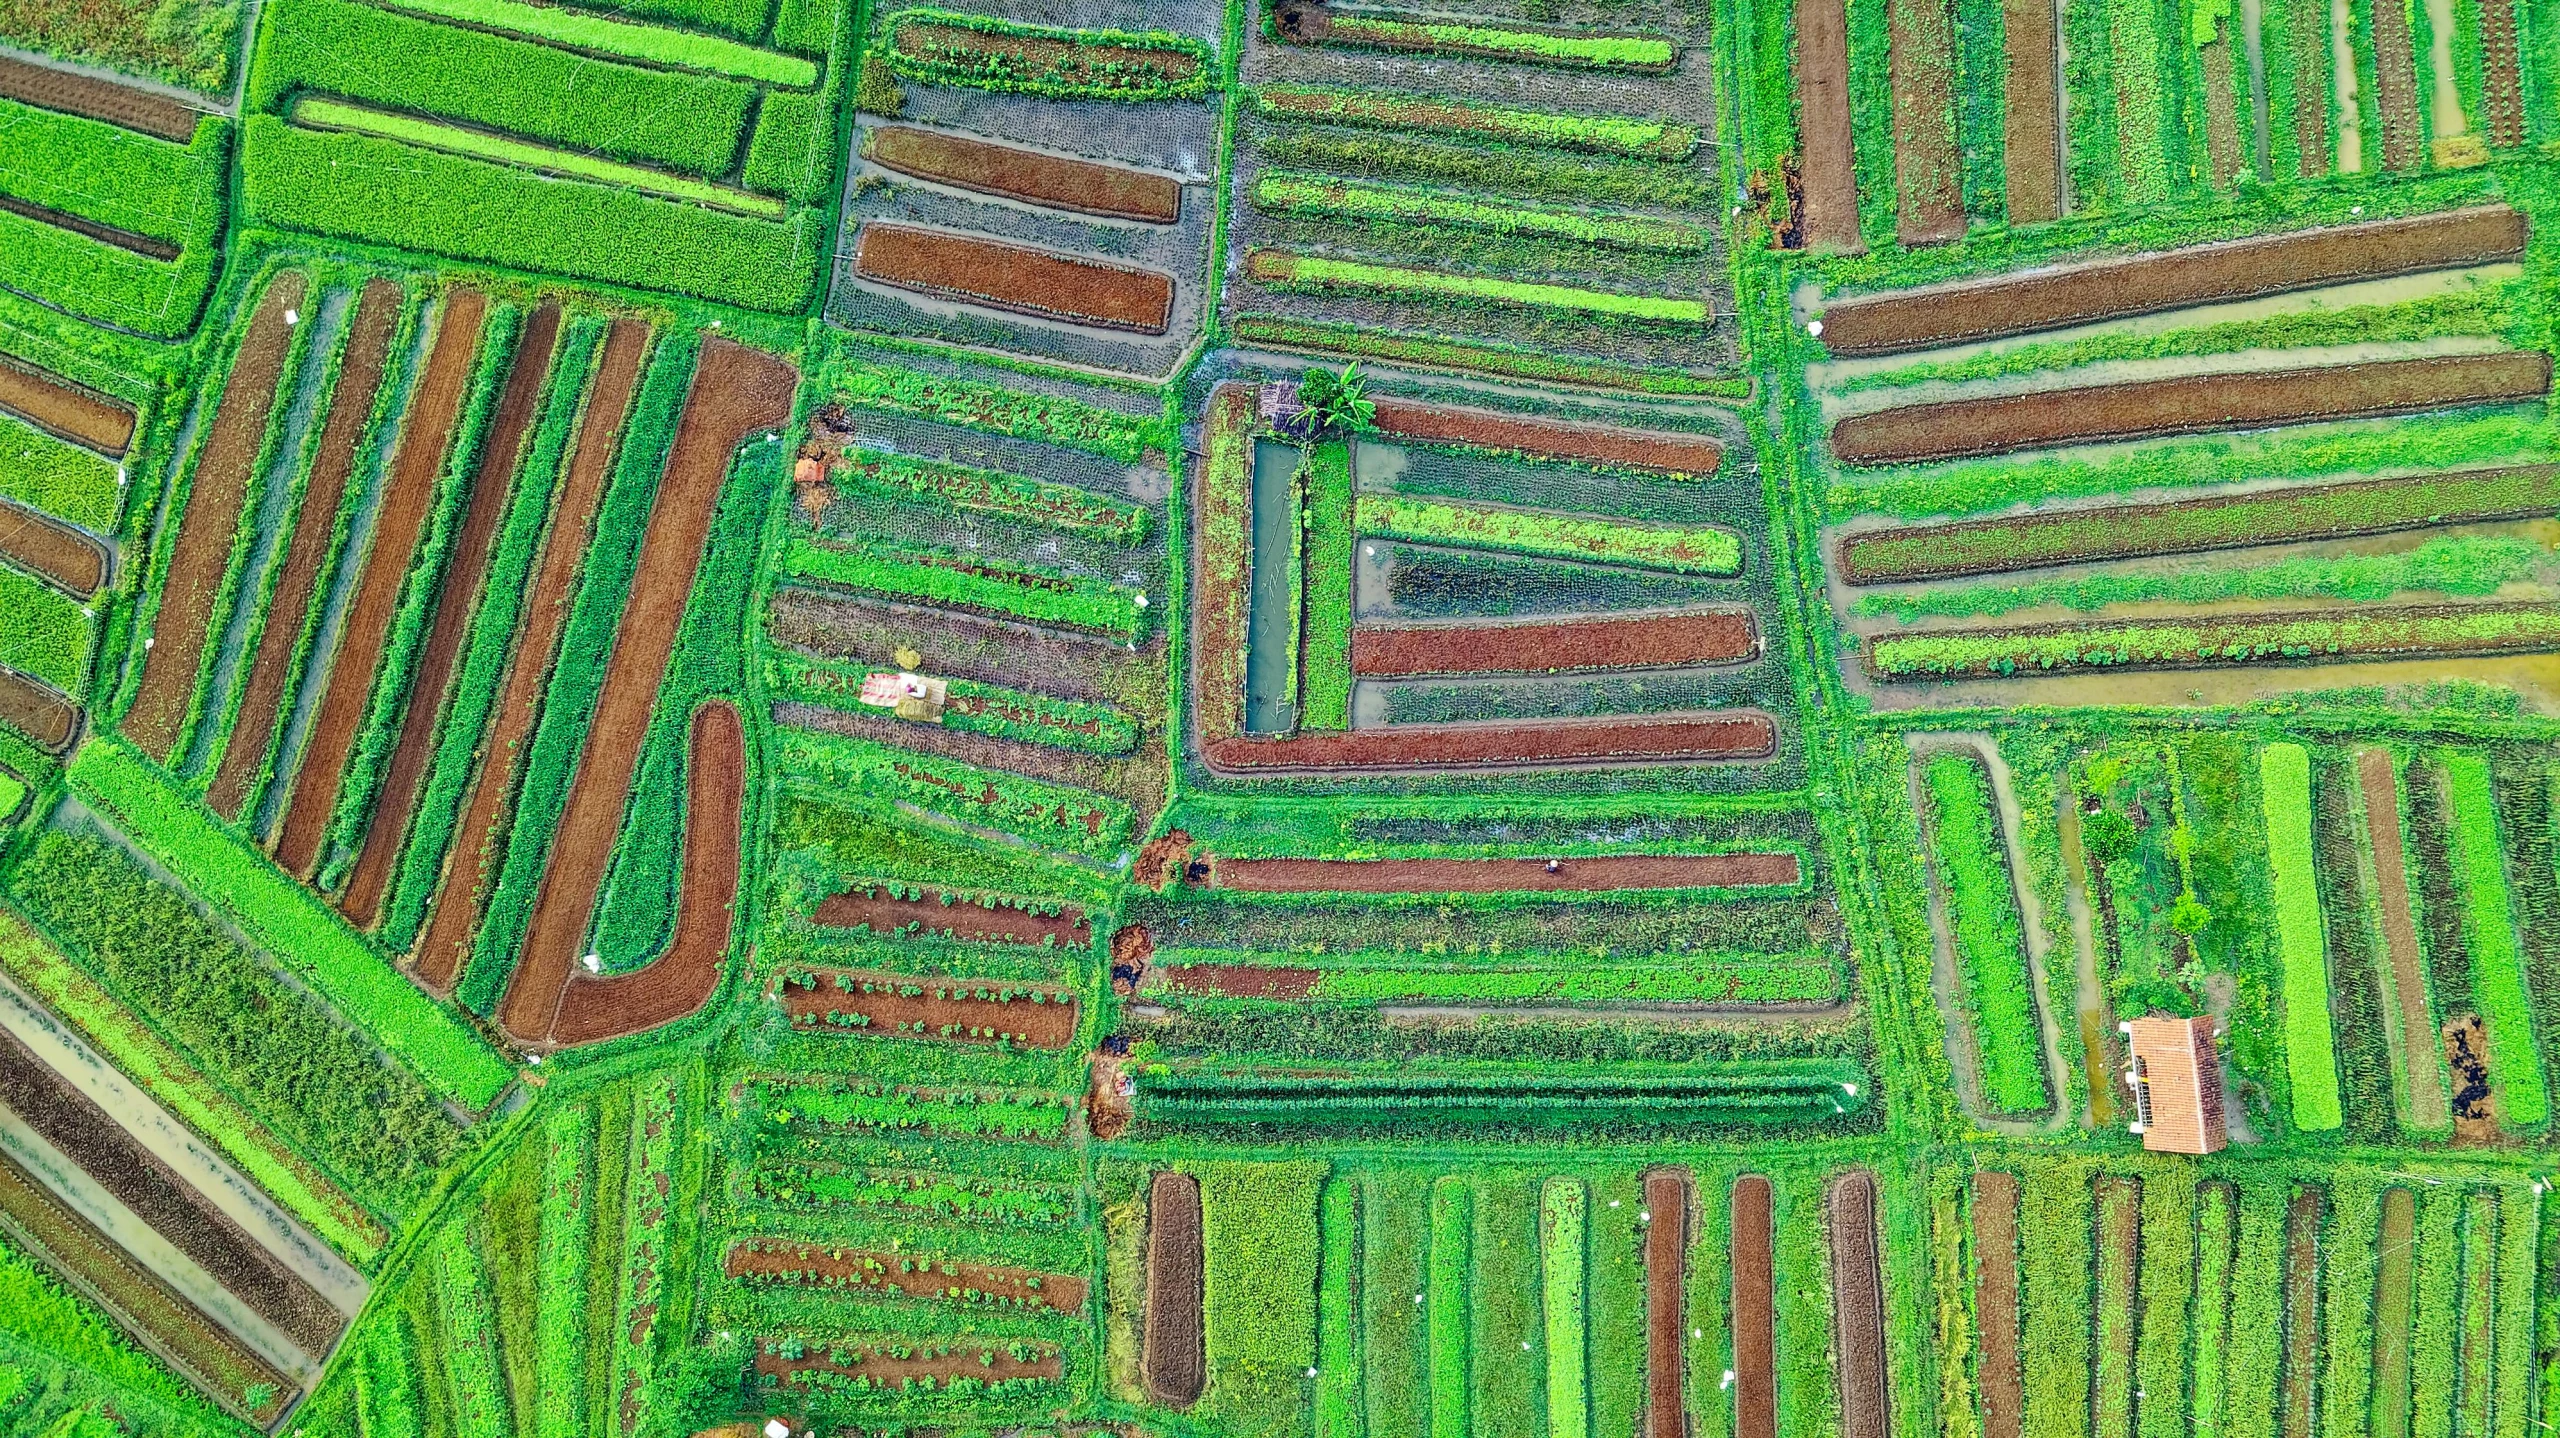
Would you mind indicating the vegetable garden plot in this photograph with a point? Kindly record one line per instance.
(1858, 1318)
(1572, 645)
(1309, 22)
(1034, 177)
(2311, 637)
(792, 1263)
(992, 1011)
(1826, 213)
(890, 909)
(1682, 456)
(1993, 1209)
(1755, 1335)
(1486, 876)
(818, 1367)
(1748, 1095)
(52, 550)
(1666, 1284)
(1015, 277)
(126, 240)
(2378, 779)
(59, 407)
(1969, 852)
(1174, 1361)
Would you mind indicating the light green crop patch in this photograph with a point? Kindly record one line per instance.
(454, 140)
(680, 48)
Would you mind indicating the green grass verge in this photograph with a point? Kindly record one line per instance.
(1677, 548)
(2311, 1064)
(677, 48)
(1563, 1221)
(1285, 270)
(321, 114)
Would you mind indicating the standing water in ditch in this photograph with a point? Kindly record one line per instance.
(1270, 661)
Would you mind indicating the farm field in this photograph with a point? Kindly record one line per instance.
(1278, 719)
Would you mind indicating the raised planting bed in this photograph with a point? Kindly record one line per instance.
(1469, 356)
(951, 48)
(736, 392)
(1968, 849)
(869, 1367)
(1604, 446)
(1970, 310)
(97, 98)
(1000, 653)
(1679, 548)
(987, 491)
(926, 1193)
(1018, 278)
(210, 523)
(2329, 636)
(1752, 1092)
(2311, 1051)
(38, 710)
(1633, 138)
(849, 1104)
(1291, 270)
(2422, 1049)
(63, 409)
(883, 909)
(969, 582)
(2229, 521)
(1928, 165)
(1755, 1319)
(970, 1010)
(1857, 1308)
(126, 240)
(1648, 641)
(1174, 1361)
(1291, 192)
(408, 496)
(1309, 22)
(45, 546)
(1052, 815)
(1741, 981)
(1700, 736)
(2187, 404)
(1994, 1210)
(1825, 213)
(1499, 876)
(1666, 1288)
(793, 1263)
(332, 116)
(1034, 177)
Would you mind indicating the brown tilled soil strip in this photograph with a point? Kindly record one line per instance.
(939, 1008)
(1498, 876)
(967, 163)
(736, 392)
(50, 89)
(2501, 80)
(2300, 1375)
(127, 240)
(63, 409)
(141, 1304)
(2019, 304)
(2031, 115)
(1995, 1302)
(2309, 22)
(46, 546)
(1173, 1361)
(2188, 404)
(2394, 1251)
(408, 494)
(1659, 738)
(682, 979)
(1652, 450)
(1755, 1314)
(869, 906)
(884, 1369)
(1651, 641)
(453, 913)
(1928, 172)
(350, 406)
(1857, 1295)
(466, 574)
(1830, 201)
(68, 1120)
(819, 1265)
(2395, 88)
(2419, 1044)
(1666, 1316)
(211, 522)
(1014, 277)
(37, 711)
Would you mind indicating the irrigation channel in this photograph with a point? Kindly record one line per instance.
(1270, 656)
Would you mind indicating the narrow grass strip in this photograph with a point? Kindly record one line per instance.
(316, 113)
(1431, 114)
(1292, 192)
(2311, 1064)
(1281, 269)
(678, 49)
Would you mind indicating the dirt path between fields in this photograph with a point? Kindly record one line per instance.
(1755, 1321)
(52, 550)
(1995, 1303)
(736, 392)
(2187, 404)
(1057, 182)
(1635, 641)
(2421, 1050)
(1489, 876)
(63, 409)
(453, 913)
(457, 605)
(35, 710)
(1173, 1362)
(71, 93)
(215, 495)
(408, 493)
(858, 1001)
(307, 554)
(1857, 1288)
(1829, 205)
(1666, 1311)
(794, 1262)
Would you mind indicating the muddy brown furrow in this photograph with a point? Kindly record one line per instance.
(453, 915)
(92, 98)
(435, 405)
(1755, 1316)
(1173, 1362)
(2299, 1378)
(1928, 171)
(1995, 1303)
(38, 711)
(1829, 207)
(209, 522)
(1020, 278)
(126, 240)
(1666, 1312)
(45, 546)
(63, 409)
(2031, 115)
(307, 554)
(2420, 1046)
(466, 574)
(965, 162)
(1857, 1314)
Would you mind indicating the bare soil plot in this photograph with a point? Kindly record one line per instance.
(63, 409)
(2501, 74)
(67, 1118)
(1755, 1316)
(970, 1010)
(92, 98)
(1995, 1303)
(2299, 1379)
(2031, 124)
(956, 645)
(2222, 137)
(1174, 1361)
(2394, 1250)
(878, 908)
(37, 711)
(2381, 788)
(1968, 310)
(1830, 201)
(894, 1369)
(408, 493)
(1857, 1297)
(1034, 177)
(2186, 404)
(2290, 515)
(736, 392)
(138, 1301)
(453, 913)
(1494, 876)
(1666, 1317)
(1610, 446)
(126, 240)
(2395, 89)
(682, 979)
(350, 408)
(1644, 641)
(2321, 636)
(819, 1265)
(1702, 735)
(1018, 278)
(1928, 171)
(210, 523)
(1241, 981)
(466, 574)
(45, 546)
